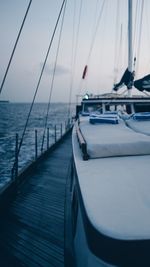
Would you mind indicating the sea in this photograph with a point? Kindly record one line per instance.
(13, 117)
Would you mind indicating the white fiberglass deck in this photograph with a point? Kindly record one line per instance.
(115, 193)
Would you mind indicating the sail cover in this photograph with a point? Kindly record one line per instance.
(143, 84)
(127, 79)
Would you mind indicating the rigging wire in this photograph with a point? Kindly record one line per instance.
(116, 44)
(39, 80)
(95, 32)
(95, 29)
(77, 37)
(86, 67)
(148, 35)
(74, 57)
(140, 35)
(12, 54)
(95, 13)
(135, 25)
(53, 77)
(118, 56)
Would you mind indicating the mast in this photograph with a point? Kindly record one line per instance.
(130, 52)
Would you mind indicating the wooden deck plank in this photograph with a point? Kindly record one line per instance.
(32, 251)
(34, 241)
(32, 229)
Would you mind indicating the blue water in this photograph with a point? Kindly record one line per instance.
(12, 120)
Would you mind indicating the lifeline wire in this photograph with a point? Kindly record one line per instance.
(74, 60)
(37, 87)
(52, 83)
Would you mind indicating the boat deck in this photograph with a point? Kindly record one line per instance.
(32, 229)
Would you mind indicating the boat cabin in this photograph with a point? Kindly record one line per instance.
(128, 105)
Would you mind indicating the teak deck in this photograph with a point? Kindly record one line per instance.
(32, 229)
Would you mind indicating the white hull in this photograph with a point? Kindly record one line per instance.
(112, 200)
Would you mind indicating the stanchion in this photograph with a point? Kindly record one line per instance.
(61, 132)
(36, 146)
(55, 134)
(16, 156)
(47, 138)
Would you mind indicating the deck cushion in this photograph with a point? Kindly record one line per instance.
(108, 140)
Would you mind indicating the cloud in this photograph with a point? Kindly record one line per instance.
(60, 69)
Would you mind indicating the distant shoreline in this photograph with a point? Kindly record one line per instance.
(4, 101)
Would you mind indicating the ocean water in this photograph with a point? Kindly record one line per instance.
(12, 120)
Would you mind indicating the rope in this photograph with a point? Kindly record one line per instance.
(37, 87)
(52, 83)
(12, 54)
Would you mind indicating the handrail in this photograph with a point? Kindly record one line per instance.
(82, 141)
(58, 135)
(9, 189)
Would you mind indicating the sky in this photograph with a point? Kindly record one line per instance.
(98, 39)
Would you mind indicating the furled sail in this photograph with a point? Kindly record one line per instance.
(127, 79)
(143, 84)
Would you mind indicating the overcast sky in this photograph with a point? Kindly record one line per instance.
(109, 44)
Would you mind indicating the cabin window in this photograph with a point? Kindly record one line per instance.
(139, 107)
(112, 108)
(107, 107)
(121, 107)
(128, 109)
(91, 107)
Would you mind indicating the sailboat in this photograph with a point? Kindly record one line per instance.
(110, 178)
(108, 216)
